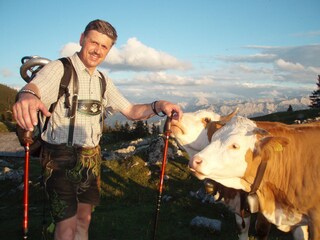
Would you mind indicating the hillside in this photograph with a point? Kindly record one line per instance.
(290, 117)
(7, 98)
(128, 201)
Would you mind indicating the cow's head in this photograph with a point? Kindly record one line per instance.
(225, 159)
(194, 131)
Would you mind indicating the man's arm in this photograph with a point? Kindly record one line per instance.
(27, 106)
(145, 111)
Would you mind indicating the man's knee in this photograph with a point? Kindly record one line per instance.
(84, 219)
(84, 215)
(65, 230)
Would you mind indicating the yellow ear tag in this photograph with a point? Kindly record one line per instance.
(277, 147)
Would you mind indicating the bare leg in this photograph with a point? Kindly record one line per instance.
(76, 227)
(66, 229)
(83, 221)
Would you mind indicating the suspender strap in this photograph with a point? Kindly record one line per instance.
(74, 105)
(103, 83)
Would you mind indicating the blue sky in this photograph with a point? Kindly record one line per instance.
(177, 49)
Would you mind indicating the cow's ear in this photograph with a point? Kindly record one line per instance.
(275, 144)
(271, 144)
(260, 132)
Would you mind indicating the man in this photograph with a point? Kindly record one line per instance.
(72, 171)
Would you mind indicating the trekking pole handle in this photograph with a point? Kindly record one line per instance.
(27, 137)
(167, 125)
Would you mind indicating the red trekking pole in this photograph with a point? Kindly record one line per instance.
(167, 133)
(27, 138)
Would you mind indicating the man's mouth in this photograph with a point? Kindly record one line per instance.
(94, 56)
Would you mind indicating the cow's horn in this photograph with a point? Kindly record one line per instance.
(31, 65)
(224, 119)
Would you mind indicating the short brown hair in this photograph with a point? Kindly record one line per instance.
(102, 27)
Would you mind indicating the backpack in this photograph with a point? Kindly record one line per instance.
(69, 71)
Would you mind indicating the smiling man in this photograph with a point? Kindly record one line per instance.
(71, 152)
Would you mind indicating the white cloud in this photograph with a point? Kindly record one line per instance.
(272, 93)
(288, 66)
(251, 85)
(163, 78)
(134, 56)
(271, 71)
(315, 70)
(174, 79)
(69, 49)
(298, 65)
(307, 55)
(256, 58)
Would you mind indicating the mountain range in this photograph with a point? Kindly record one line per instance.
(247, 107)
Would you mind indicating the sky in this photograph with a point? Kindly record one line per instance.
(176, 50)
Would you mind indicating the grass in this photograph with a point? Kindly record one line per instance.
(7, 126)
(128, 205)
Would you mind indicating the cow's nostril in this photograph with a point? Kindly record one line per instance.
(197, 160)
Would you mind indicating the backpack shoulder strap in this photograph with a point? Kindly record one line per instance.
(63, 87)
(65, 80)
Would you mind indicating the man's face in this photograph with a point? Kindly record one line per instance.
(95, 47)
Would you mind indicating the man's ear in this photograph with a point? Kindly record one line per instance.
(81, 39)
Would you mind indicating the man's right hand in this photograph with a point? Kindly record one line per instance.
(25, 111)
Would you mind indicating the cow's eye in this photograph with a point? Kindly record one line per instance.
(207, 120)
(235, 146)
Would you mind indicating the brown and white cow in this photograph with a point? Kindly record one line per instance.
(193, 133)
(279, 163)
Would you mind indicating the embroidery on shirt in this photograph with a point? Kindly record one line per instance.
(89, 107)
